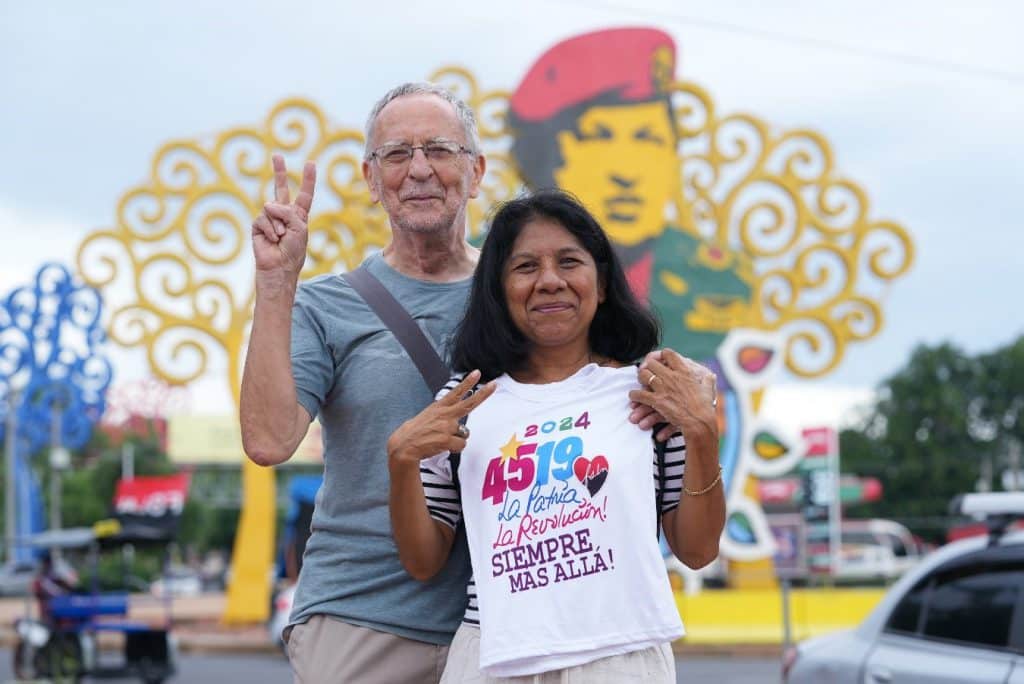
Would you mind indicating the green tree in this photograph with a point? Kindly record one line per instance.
(1000, 409)
(935, 424)
(87, 493)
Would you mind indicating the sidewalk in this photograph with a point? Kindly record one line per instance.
(196, 621)
(198, 629)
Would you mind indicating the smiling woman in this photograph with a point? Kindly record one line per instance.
(553, 481)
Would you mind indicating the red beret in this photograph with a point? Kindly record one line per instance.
(638, 63)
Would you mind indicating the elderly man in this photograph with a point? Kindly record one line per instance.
(358, 617)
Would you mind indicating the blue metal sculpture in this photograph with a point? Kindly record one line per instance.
(50, 361)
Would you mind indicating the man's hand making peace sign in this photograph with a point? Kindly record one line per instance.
(280, 233)
(272, 420)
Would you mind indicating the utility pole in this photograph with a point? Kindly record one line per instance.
(128, 474)
(127, 461)
(10, 505)
(1013, 460)
(59, 460)
(985, 475)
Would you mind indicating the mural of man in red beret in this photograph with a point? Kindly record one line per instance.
(594, 116)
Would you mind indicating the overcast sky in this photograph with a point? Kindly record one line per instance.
(922, 102)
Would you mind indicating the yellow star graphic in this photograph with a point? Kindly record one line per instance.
(509, 450)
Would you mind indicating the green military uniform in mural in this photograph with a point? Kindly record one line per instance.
(698, 297)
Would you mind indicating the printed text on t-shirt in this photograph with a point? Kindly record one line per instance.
(545, 490)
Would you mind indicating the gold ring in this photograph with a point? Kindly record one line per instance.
(650, 383)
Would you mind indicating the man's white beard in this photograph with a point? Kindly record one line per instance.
(440, 225)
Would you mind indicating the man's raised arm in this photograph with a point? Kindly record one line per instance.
(272, 420)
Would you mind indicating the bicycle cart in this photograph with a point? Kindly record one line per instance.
(69, 644)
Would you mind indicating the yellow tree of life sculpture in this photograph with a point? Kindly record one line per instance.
(180, 247)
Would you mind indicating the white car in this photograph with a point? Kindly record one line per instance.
(957, 616)
(875, 549)
(179, 581)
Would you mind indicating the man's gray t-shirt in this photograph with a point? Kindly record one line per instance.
(351, 371)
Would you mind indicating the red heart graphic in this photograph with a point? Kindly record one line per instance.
(591, 472)
(579, 467)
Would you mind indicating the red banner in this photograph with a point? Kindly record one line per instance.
(152, 497)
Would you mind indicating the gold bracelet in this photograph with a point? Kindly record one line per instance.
(701, 492)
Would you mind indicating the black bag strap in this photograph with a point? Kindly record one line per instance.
(435, 373)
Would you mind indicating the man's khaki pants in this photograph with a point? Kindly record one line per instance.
(324, 650)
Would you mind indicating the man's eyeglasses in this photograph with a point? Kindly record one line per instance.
(438, 152)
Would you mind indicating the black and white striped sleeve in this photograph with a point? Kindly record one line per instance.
(472, 615)
(450, 385)
(443, 501)
(671, 472)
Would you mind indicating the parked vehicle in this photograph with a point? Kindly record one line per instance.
(16, 578)
(65, 646)
(954, 617)
(876, 549)
(178, 581)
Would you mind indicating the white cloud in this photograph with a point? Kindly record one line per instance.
(798, 406)
(32, 238)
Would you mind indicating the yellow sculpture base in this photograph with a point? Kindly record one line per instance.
(252, 559)
(757, 574)
(754, 616)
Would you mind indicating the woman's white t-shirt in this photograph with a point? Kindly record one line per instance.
(555, 490)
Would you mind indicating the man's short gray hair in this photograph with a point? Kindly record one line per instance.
(462, 110)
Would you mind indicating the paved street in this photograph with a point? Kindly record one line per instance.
(215, 655)
(204, 669)
(727, 670)
(270, 669)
